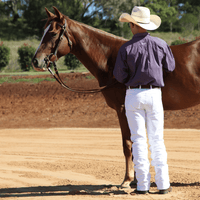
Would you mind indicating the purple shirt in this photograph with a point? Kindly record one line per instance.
(141, 61)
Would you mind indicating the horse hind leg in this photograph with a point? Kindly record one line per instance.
(127, 148)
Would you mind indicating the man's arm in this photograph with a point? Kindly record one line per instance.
(120, 71)
(168, 60)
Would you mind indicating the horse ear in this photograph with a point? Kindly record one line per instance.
(58, 13)
(50, 14)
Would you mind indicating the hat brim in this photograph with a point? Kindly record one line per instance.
(155, 21)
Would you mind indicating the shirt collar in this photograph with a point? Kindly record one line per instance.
(140, 35)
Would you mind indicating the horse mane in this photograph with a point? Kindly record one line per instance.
(99, 31)
(55, 18)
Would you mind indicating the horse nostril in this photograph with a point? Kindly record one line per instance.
(35, 62)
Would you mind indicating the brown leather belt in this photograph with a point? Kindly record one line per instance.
(142, 87)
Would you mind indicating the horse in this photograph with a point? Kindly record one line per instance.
(97, 50)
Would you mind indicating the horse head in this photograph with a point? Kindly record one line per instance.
(55, 42)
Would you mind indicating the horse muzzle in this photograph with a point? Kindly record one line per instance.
(37, 66)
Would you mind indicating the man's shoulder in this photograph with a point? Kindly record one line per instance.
(158, 41)
(126, 46)
(128, 43)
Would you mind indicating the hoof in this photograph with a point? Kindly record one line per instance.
(133, 183)
(126, 185)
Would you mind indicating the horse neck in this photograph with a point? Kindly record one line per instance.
(96, 49)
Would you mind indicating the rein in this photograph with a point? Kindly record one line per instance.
(48, 63)
(59, 80)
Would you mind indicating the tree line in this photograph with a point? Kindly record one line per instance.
(23, 18)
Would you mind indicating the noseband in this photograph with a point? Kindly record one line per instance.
(48, 63)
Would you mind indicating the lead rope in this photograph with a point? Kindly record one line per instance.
(59, 80)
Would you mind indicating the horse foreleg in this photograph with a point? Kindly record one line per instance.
(127, 146)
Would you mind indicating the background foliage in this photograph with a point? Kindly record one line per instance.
(26, 54)
(25, 19)
(27, 16)
(71, 61)
(4, 55)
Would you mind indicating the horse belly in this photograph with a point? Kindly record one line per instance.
(176, 98)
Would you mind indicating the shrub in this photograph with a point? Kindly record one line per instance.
(179, 41)
(26, 54)
(71, 61)
(4, 55)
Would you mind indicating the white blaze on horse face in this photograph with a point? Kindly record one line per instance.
(45, 31)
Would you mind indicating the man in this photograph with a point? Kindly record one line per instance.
(139, 65)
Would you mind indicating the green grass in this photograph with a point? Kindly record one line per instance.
(9, 79)
(90, 77)
(169, 37)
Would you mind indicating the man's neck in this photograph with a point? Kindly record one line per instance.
(141, 30)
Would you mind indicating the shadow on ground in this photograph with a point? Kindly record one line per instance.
(76, 190)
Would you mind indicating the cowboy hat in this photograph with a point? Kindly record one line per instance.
(141, 17)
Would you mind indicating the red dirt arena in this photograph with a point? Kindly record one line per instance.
(56, 144)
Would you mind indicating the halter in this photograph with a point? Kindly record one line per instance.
(48, 63)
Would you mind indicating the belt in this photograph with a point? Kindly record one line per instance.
(142, 87)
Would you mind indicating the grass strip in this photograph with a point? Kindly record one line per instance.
(9, 79)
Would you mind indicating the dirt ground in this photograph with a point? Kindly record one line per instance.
(57, 144)
(47, 104)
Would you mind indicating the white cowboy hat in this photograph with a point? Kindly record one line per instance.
(141, 17)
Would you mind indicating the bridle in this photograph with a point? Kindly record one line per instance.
(48, 62)
(63, 31)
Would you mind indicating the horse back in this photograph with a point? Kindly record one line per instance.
(182, 86)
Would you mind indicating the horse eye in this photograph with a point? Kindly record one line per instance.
(53, 34)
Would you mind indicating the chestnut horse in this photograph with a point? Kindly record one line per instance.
(97, 50)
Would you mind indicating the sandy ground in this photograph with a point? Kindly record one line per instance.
(87, 164)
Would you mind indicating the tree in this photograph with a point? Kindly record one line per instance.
(12, 8)
(2, 11)
(166, 10)
(110, 11)
(190, 7)
(35, 12)
(28, 16)
(188, 22)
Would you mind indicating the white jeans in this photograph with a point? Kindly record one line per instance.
(144, 110)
